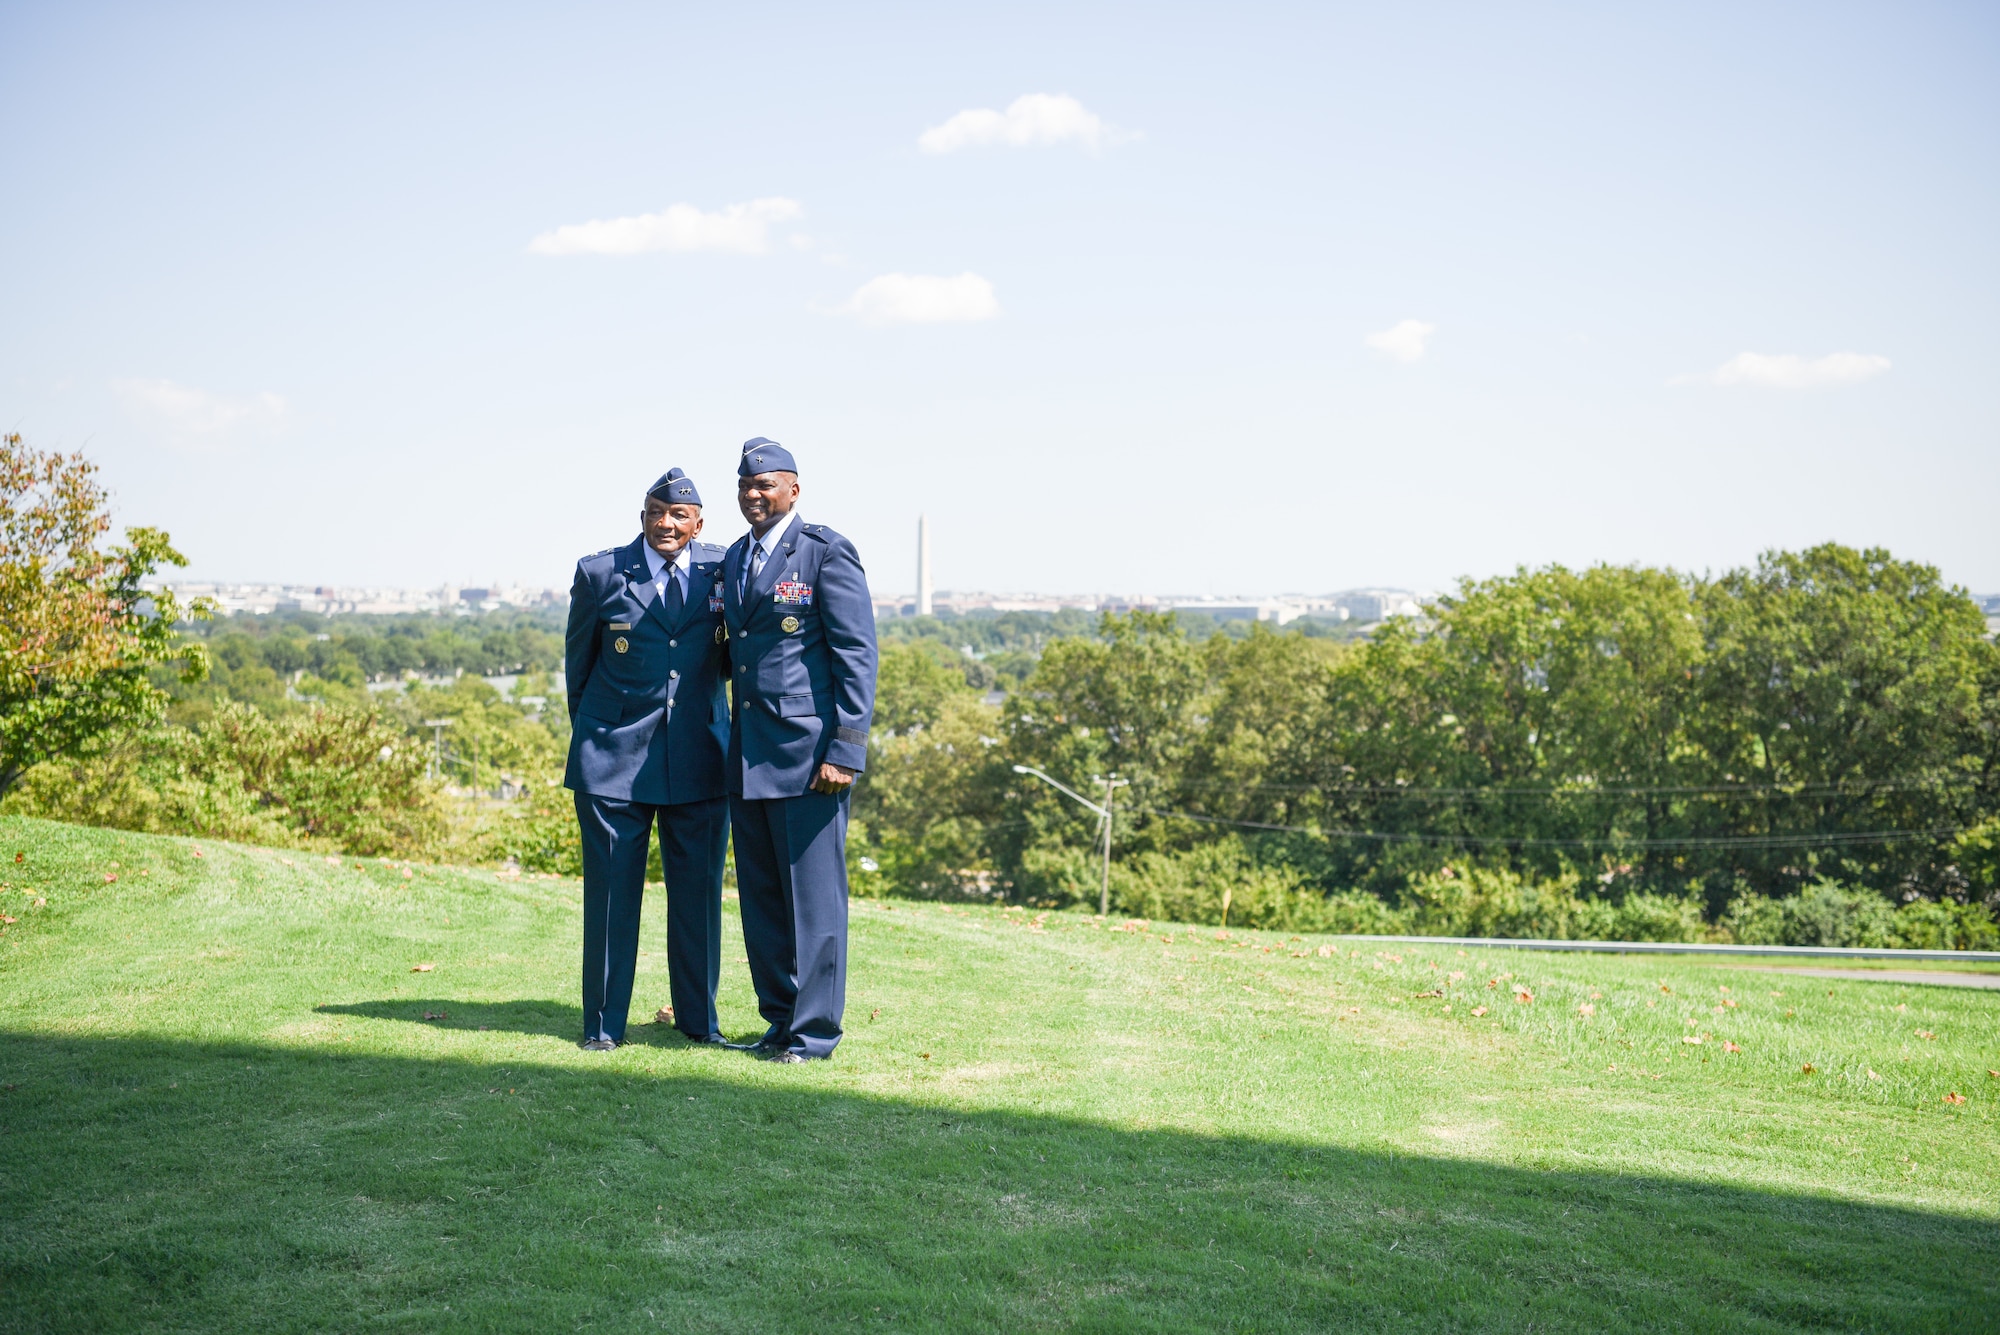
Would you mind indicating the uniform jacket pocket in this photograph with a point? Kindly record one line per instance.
(797, 706)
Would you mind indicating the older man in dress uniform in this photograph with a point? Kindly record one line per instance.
(802, 657)
(645, 664)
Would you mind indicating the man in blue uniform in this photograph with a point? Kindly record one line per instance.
(802, 653)
(645, 665)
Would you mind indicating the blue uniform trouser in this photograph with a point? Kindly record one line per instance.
(791, 879)
(693, 839)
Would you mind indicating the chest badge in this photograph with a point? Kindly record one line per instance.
(620, 644)
(789, 625)
(721, 634)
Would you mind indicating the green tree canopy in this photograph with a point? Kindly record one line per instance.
(78, 632)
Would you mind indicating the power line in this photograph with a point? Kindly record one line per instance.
(1854, 838)
(1848, 787)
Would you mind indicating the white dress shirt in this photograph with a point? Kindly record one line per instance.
(660, 568)
(761, 548)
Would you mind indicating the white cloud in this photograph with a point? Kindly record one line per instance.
(1791, 372)
(914, 298)
(1033, 118)
(1403, 341)
(195, 412)
(738, 229)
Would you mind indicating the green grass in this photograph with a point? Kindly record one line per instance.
(225, 1110)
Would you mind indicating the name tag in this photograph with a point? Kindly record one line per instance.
(621, 625)
(791, 591)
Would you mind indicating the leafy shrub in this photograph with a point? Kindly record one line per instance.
(325, 777)
(1219, 882)
(1829, 914)
(1825, 913)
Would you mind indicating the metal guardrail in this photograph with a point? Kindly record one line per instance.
(1688, 948)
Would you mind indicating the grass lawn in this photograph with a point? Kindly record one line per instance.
(230, 1104)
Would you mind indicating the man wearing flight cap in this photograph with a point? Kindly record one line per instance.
(802, 657)
(645, 665)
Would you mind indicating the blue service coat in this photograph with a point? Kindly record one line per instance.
(649, 715)
(802, 655)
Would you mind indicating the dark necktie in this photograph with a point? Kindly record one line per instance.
(673, 594)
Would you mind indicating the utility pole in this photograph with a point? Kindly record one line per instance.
(1111, 787)
(437, 727)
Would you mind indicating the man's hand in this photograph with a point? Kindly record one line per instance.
(832, 779)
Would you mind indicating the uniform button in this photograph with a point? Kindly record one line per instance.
(673, 644)
(673, 672)
(739, 667)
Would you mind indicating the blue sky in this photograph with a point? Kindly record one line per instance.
(1240, 299)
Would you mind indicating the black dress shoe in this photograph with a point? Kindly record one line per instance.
(773, 1041)
(716, 1040)
(786, 1058)
(597, 1045)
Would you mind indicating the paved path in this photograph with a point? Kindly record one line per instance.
(1936, 978)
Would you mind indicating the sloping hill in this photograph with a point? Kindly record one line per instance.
(230, 1103)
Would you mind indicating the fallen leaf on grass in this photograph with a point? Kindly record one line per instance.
(1418, 996)
(1479, 1010)
(1807, 1069)
(1954, 1097)
(1926, 1034)
(1993, 1075)
(196, 851)
(1872, 1075)
(1524, 997)
(333, 862)
(407, 874)
(1586, 1010)
(1901, 1007)
(1455, 976)
(110, 876)
(286, 861)
(39, 903)
(1729, 1002)
(1727, 1046)
(1493, 982)
(1668, 990)
(8, 919)
(925, 1055)
(435, 1015)
(20, 857)
(422, 968)
(1693, 1038)
(1325, 951)
(664, 1015)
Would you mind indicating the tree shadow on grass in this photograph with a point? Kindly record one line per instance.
(167, 1184)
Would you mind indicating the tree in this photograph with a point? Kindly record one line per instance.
(1854, 694)
(78, 632)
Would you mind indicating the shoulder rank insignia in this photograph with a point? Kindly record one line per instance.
(791, 591)
(790, 625)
